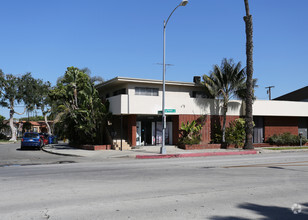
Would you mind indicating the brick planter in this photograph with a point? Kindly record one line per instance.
(229, 146)
(194, 147)
(94, 147)
(206, 146)
(199, 146)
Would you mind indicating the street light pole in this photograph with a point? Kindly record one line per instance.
(163, 148)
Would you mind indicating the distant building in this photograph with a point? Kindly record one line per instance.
(36, 126)
(297, 95)
(300, 95)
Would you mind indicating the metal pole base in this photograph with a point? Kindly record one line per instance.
(163, 150)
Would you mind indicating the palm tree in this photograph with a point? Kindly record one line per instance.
(224, 83)
(94, 79)
(249, 81)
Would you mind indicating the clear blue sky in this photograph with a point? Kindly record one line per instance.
(124, 38)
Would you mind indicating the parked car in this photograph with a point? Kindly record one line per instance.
(53, 139)
(45, 138)
(31, 140)
(45, 141)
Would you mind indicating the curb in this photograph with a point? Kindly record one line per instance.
(60, 154)
(123, 156)
(195, 154)
(267, 151)
(10, 142)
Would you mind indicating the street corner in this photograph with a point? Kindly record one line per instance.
(52, 150)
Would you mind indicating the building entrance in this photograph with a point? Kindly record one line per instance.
(149, 131)
(302, 126)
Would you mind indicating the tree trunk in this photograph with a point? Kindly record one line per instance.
(46, 122)
(225, 108)
(13, 129)
(75, 97)
(249, 81)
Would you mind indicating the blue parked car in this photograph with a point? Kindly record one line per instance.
(31, 140)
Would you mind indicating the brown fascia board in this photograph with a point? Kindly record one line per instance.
(297, 95)
(117, 80)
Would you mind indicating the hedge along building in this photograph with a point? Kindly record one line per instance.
(136, 106)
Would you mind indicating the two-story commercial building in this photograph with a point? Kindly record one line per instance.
(136, 105)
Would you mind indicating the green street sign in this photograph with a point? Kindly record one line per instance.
(167, 111)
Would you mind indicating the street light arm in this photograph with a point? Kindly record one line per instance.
(166, 22)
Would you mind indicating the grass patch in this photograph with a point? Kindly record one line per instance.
(2, 140)
(286, 148)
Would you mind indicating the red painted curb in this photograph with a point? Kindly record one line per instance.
(161, 156)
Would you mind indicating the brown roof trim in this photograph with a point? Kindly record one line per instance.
(148, 81)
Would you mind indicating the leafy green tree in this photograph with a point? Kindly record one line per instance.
(79, 109)
(42, 100)
(224, 83)
(16, 90)
(2, 124)
(249, 81)
(32, 118)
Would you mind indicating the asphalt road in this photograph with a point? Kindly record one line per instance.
(11, 155)
(228, 187)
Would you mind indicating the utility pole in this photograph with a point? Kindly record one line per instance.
(269, 92)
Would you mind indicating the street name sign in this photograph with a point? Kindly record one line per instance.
(167, 111)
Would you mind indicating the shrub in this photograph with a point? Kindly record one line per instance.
(216, 135)
(286, 139)
(190, 133)
(3, 137)
(235, 133)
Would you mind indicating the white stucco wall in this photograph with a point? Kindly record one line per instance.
(180, 101)
(184, 104)
(280, 108)
(118, 104)
(178, 97)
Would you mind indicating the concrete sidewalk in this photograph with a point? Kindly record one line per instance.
(153, 152)
(144, 152)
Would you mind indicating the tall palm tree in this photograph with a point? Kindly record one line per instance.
(224, 83)
(94, 79)
(249, 81)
